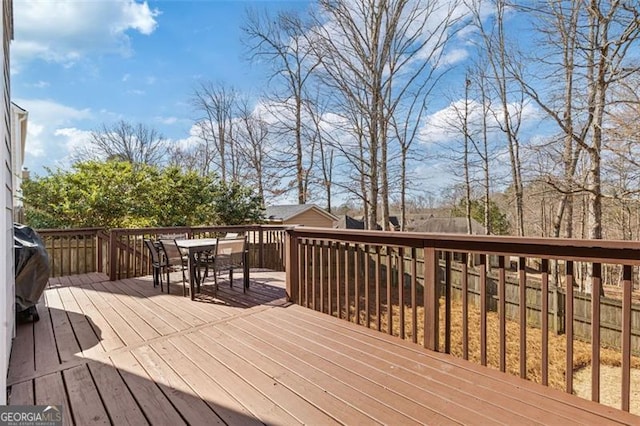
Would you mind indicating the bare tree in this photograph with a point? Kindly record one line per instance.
(558, 24)
(254, 147)
(588, 45)
(482, 147)
(509, 100)
(315, 111)
(136, 143)
(406, 124)
(374, 52)
(215, 104)
(613, 32)
(280, 41)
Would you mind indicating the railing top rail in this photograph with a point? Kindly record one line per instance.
(612, 251)
(222, 228)
(70, 231)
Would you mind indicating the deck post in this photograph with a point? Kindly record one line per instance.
(113, 254)
(291, 265)
(98, 252)
(431, 302)
(261, 247)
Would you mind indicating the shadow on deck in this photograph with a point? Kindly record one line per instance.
(123, 353)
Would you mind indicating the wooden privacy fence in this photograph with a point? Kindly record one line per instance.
(610, 307)
(391, 282)
(121, 253)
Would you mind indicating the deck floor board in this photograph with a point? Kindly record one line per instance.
(126, 353)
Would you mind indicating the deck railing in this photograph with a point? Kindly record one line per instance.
(121, 253)
(129, 258)
(457, 294)
(419, 287)
(76, 251)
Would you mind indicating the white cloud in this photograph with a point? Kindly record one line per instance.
(190, 141)
(41, 84)
(75, 138)
(126, 77)
(64, 31)
(34, 145)
(136, 92)
(167, 120)
(52, 113)
(444, 126)
(453, 57)
(45, 143)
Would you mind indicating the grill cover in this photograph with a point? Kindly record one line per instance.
(31, 266)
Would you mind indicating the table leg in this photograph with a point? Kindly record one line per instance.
(245, 270)
(192, 274)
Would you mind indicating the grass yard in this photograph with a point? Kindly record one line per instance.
(610, 358)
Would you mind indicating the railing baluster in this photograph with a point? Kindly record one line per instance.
(356, 269)
(76, 261)
(502, 313)
(447, 302)
(569, 326)
(301, 270)
(431, 301)
(347, 302)
(314, 277)
(322, 277)
(68, 240)
(378, 307)
(339, 269)
(306, 275)
(544, 323)
(113, 256)
(465, 306)
(129, 256)
(596, 283)
(329, 276)
(414, 296)
(53, 257)
(293, 269)
(627, 288)
(367, 286)
(389, 287)
(483, 309)
(522, 282)
(401, 291)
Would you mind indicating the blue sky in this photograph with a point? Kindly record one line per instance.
(78, 64)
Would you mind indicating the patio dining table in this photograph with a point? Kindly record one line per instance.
(192, 247)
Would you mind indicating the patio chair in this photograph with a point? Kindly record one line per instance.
(230, 254)
(158, 263)
(175, 260)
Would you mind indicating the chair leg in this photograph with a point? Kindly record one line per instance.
(184, 281)
(231, 277)
(245, 279)
(159, 272)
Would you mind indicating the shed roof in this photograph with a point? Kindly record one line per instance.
(288, 211)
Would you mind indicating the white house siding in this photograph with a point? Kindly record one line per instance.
(7, 299)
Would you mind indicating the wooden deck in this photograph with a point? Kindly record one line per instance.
(124, 353)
